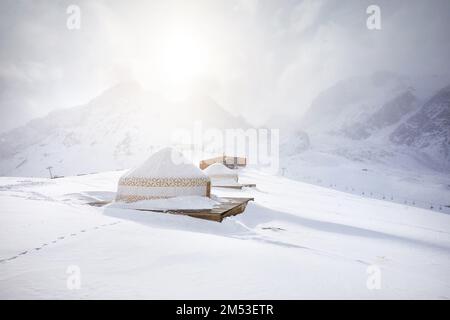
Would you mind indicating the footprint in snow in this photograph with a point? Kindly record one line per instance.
(74, 234)
(273, 228)
(363, 262)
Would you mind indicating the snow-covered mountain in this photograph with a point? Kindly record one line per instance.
(115, 130)
(429, 128)
(352, 101)
(382, 135)
(389, 114)
(293, 140)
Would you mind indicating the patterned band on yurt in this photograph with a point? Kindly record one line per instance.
(166, 174)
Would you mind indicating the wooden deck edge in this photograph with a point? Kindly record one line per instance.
(229, 187)
(238, 206)
(240, 186)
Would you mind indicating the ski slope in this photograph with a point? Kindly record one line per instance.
(295, 241)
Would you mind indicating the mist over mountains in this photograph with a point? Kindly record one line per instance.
(115, 130)
(386, 112)
(429, 128)
(380, 118)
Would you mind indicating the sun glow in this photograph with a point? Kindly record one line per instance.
(183, 61)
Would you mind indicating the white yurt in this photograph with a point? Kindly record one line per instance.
(166, 174)
(220, 175)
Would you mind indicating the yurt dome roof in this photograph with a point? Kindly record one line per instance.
(219, 169)
(166, 174)
(166, 163)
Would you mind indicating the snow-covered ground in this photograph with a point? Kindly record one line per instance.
(296, 240)
(372, 172)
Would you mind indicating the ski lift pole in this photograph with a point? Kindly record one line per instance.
(50, 171)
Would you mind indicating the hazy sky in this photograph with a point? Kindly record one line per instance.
(255, 57)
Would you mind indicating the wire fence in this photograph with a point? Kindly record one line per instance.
(386, 196)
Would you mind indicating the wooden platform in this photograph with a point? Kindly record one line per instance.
(228, 207)
(238, 186)
(230, 162)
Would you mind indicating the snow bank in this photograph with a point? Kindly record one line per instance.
(295, 241)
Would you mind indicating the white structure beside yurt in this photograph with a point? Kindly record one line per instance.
(220, 175)
(165, 174)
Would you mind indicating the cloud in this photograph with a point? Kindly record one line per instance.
(305, 15)
(249, 6)
(264, 57)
